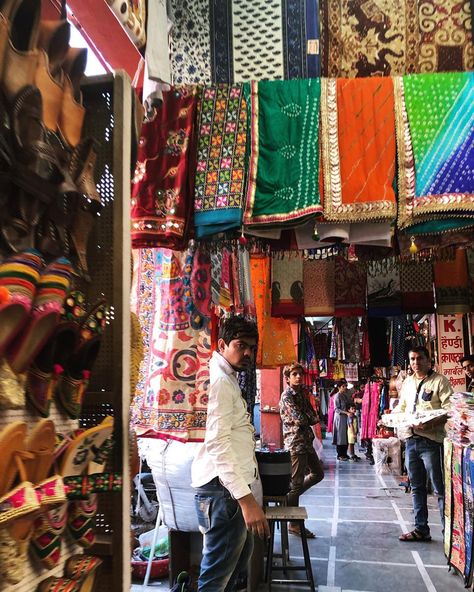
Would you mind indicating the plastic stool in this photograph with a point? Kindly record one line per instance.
(284, 515)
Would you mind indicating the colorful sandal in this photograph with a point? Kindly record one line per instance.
(43, 375)
(75, 453)
(73, 382)
(82, 567)
(52, 288)
(53, 584)
(19, 275)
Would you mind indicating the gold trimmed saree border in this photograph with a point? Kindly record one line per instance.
(411, 209)
(335, 210)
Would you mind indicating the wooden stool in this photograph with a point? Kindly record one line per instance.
(279, 500)
(284, 515)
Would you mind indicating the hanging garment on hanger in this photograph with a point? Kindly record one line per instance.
(351, 339)
(358, 160)
(284, 130)
(287, 285)
(220, 174)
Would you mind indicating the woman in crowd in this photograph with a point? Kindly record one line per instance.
(342, 401)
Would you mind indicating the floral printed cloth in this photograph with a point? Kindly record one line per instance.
(297, 417)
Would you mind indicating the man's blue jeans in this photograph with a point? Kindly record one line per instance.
(227, 543)
(424, 458)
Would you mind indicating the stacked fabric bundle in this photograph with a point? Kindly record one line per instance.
(460, 425)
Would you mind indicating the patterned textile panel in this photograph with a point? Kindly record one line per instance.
(318, 279)
(287, 286)
(264, 39)
(468, 483)
(173, 296)
(458, 548)
(190, 47)
(368, 38)
(416, 281)
(446, 36)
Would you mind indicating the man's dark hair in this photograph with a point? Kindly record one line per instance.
(419, 349)
(287, 370)
(467, 359)
(237, 327)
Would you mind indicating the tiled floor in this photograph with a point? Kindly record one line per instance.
(357, 517)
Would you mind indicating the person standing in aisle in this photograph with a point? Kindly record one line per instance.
(339, 432)
(467, 363)
(424, 390)
(352, 429)
(225, 465)
(297, 417)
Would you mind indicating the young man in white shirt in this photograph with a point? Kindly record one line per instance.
(225, 466)
(424, 390)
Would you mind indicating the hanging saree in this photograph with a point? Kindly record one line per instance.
(287, 285)
(435, 131)
(359, 158)
(260, 279)
(283, 171)
(368, 38)
(452, 285)
(219, 186)
(468, 492)
(162, 186)
(351, 340)
(319, 292)
(446, 36)
(350, 288)
(172, 301)
(458, 548)
(416, 284)
(448, 496)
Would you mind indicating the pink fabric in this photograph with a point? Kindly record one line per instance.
(370, 410)
(330, 414)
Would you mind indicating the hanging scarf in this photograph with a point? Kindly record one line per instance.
(260, 279)
(416, 284)
(350, 288)
(435, 127)
(458, 549)
(350, 336)
(162, 186)
(278, 344)
(283, 163)
(383, 288)
(318, 280)
(321, 345)
(219, 185)
(452, 286)
(358, 160)
(351, 372)
(370, 410)
(173, 297)
(364, 38)
(287, 285)
(446, 36)
(448, 497)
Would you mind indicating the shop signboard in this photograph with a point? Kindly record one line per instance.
(450, 349)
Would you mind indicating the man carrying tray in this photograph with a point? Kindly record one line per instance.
(424, 391)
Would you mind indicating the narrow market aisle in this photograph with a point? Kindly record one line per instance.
(357, 517)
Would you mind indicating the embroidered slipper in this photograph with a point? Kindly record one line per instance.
(53, 584)
(12, 387)
(19, 275)
(81, 567)
(52, 288)
(44, 372)
(73, 382)
(415, 536)
(74, 453)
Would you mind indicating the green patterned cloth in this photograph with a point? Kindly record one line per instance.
(283, 180)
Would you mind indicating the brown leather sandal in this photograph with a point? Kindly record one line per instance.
(72, 114)
(20, 53)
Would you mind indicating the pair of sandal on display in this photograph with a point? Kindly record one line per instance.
(47, 183)
(34, 490)
(80, 575)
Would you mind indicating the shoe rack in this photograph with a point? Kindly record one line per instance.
(108, 100)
